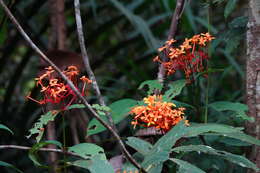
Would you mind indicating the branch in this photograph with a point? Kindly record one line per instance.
(175, 19)
(86, 58)
(41, 149)
(84, 51)
(72, 86)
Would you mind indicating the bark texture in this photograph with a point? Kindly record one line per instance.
(253, 76)
(57, 40)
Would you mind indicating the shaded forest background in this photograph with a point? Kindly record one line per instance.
(122, 38)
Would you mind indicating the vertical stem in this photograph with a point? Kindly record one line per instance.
(208, 77)
(172, 32)
(64, 141)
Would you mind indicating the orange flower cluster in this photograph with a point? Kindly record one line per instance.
(56, 91)
(187, 57)
(157, 114)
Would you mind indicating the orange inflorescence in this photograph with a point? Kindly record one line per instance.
(157, 114)
(56, 91)
(188, 57)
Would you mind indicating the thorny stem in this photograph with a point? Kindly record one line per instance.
(174, 23)
(72, 86)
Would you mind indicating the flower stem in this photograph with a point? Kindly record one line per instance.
(64, 141)
(208, 65)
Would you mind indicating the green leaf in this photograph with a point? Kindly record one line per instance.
(175, 89)
(152, 85)
(101, 108)
(239, 22)
(204, 22)
(231, 4)
(209, 71)
(233, 142)
(140, 25)
(139, 145)
(8, 165)
(239, 135)
(6, 128)
(232, 62)
(38, 127)
(240, 160)
(119, 110)
(186, 167)
(162, 148)
(76, 106)
(95, 158)
(3, 32)
(238, 108)
(197, 129)
(95, 165)
(88, 150)
(181, 104)
(33, 152)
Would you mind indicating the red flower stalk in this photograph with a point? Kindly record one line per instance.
(188, 57)
(56, 91)
(157, 113)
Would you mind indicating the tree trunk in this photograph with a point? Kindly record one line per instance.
(57, 40)
(253, 77)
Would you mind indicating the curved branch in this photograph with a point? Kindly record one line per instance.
(72, 86)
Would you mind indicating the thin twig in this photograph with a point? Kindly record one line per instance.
(72, 86)
(174, 23)
(41, 149)
(86, 58)
(84, 51)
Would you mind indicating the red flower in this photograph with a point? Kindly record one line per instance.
(189, 57)
(57, 91)
(157, 113)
